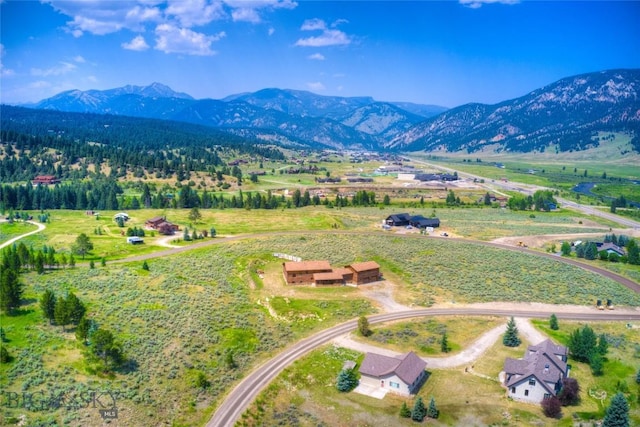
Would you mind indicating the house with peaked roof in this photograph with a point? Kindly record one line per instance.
(398, 220)
(419, 221)
(610, 248)
(538, 375)
(364, 272)
(303, 272)
(401, 374)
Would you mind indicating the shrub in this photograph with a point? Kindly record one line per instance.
(552, 407)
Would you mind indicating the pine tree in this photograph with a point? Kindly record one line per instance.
(633, 252)
(565, 248)
(405, 412)
(603, 345)
(62, 314)
(638, 377)
(145, 266)
(432, 411)
(48, 305)
(82, 330)
(75, 307)
(582, 343)
(617, 414)
(418, 412)
(347, 380)
(444, 343)
(553, 322)
(511, 338)
(10, 289)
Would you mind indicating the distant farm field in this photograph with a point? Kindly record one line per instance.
(110, 240)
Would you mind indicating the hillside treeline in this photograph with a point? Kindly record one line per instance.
(71, 145)
(107, 194)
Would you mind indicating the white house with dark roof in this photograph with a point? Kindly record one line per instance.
(401, 374)
(539, 374)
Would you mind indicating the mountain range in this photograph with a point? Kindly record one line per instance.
(564, 115)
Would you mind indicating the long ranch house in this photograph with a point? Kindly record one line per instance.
(321, 273)
(402, 374)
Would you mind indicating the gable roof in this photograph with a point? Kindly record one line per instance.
(399, 217)
(408, 367)
(331, 275)
(364, 266)
(544, 361)
(307, 266)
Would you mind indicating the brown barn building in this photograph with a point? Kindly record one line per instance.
(365, 272)
(161, 225)
(296, 273)
(45, 180)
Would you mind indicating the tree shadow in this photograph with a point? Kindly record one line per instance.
(129, 366)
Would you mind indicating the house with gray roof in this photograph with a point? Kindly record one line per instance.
(539, 374)
(401, 374)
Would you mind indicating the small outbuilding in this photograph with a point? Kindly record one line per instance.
(135, 240)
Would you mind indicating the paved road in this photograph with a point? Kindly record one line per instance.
(15, 239)
(244, 393)
(530, 189)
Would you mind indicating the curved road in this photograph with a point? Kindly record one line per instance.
(15, 239)
(244, 393)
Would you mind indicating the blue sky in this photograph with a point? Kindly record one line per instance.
(446, 53)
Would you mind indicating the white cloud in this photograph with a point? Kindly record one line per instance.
(4, 72)
(79, 59)
(194, 12)
(171, 39)
(92, 79)
(313, 24)
(245, 15)
(271, 31)
(328, 38)
(316, 86)
(82, 24)
(316, 56)
(138, 43)
(61, 69)
(476, 4)
(40, 84)
(249, 10)
(175, 17)
(105, 17)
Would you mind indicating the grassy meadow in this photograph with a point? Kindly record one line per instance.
(180, 321)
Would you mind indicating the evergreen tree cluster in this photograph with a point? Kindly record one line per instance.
(62, 310)
(540, 201)
(586, 347)
(135, 231)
